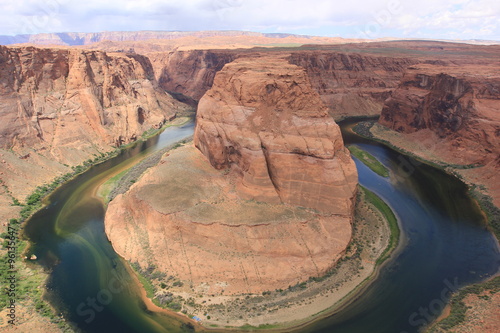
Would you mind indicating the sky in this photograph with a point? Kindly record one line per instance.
(436, 19)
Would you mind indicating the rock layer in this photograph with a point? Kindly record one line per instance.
(190, 73)
(454, 111)
(61, 107)
(185, 218)
(86, 38)
(263, 120)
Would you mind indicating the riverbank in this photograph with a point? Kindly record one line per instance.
(121, 182)
(369, 160)
(466, 306)
(296, 305)
(467, 173)
(472, 309)
(32, 309)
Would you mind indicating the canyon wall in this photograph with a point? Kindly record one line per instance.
(453, 114)
(352, 84)
(349, 84)
(190, 73)
(61, 107)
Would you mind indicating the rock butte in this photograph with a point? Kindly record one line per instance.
(263, 120)
(240, 230)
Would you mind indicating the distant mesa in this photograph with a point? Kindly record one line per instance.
(86, 38)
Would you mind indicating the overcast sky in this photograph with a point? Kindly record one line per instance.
(449, 19)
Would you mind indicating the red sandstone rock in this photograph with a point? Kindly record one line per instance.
(62, 100)
(190, 73)
(185, 218)
(263, 120)
(351, 84)
(460, 106)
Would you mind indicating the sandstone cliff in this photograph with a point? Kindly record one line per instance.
(276, 209)
(61, 107)
(453, 113)
(351, 84)
(190, 73)
(263, 120)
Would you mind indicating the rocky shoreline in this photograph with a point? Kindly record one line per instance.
(470, 174)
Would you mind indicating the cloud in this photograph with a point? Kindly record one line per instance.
(358, 18)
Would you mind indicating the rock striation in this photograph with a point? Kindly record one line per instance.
(265, 203)
(454, 111)
(190, 73)
(263, 120)
(61, 107)
(185, 219)
(351, 84)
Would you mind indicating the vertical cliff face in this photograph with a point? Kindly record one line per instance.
(61, 107)
(441, 103)
(264, 121)
(60, 99)
(453, 115)
(190, 73)
(351, 84)
(459, 108)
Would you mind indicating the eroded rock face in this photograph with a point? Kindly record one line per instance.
(52, 98)
(59, 108)
(190, 73)
(263, 120)
(351, 84)
(438, 102)
(455, 113)
(185, 218)
(266, 136)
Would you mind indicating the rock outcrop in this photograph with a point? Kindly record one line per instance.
(349, 84)
(455, 112)
(268, 206)
(263, 121)
(61, 107)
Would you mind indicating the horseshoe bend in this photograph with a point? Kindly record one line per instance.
(260, 219)
(263, 199)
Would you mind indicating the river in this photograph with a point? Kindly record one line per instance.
(444, 245)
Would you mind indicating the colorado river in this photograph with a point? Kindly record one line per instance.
(445, 245)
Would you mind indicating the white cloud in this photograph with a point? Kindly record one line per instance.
(373, 18)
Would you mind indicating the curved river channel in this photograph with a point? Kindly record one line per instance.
(444, 245)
